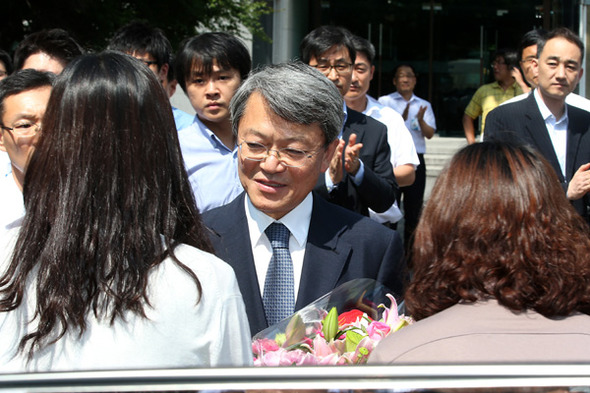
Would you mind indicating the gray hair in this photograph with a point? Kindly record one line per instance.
(295, 92)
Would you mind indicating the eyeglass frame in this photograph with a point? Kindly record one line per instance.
(333, 67)
(307, 156)
(528, 59)
(19, 133)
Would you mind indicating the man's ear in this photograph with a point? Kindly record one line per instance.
(372, 72)
(163, 74)
(2, 147)
(330, 150)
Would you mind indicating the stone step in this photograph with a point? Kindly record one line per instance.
(439, 151)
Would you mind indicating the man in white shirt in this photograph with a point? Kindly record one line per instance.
(543, 120)
(23, 99)
(420, 121)
(287, 118)
(403, 152)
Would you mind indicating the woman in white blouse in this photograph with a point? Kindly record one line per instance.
(111, 268)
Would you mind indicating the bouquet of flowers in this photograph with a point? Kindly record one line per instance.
(340, 328)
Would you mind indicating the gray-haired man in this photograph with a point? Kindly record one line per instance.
(287, 119)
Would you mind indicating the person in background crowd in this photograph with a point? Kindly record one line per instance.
(5, 64)
(490, 95)
(288, 245)
(360, 175)
(420, 120)
(150, 45)
(46, 50)
(210, 67)
(5, 70)
(527, 55)
(498, 276)
(111, 268)
(181, 118)
(547, 123)
(23, 99)
(403, 153)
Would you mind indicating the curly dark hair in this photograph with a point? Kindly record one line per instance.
(498, 225)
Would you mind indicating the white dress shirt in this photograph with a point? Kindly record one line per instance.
(398, 103)
(12, 206)
(557, 130)
(297, 221)
(403, 150)
(211, 166)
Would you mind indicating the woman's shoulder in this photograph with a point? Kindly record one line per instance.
(214, 275)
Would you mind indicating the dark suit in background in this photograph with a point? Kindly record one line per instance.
(522, 122)
(341, 246)
(378, 189)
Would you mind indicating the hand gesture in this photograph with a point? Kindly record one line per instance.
(580, 183)
(335, 170)
(351, 155)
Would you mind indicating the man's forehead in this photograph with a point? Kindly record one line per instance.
(336, 52)
(558, 47)
(199, 67)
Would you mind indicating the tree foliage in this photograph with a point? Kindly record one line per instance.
(92, 22)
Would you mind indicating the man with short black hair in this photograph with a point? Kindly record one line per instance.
(490, 95)
(546, 122)
(23, 99)
(210, 67)
(403, 152)
(360, 175)
(46, 50)
(151, 46)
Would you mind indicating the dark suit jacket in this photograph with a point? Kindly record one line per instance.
(522, 122)
(341, 246)
(378, 189)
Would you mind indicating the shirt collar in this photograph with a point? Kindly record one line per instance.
(398, 96)
(297, 220)
(211, 135)
(545, 112)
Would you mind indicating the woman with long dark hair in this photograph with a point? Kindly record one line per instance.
(111, 268)
(502, 270)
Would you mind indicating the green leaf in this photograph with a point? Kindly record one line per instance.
(352, 340)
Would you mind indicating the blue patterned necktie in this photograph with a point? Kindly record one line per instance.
(278, 297)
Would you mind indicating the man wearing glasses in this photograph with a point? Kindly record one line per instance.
(23, 99)
(287, 245)
(490, 95)
(360, 176)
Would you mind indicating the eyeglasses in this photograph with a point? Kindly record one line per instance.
(288, 156)
(3, 73)
(23, 129)
(527, 60)
(497, 63)
(409, 76)
(148, 62)
(340, 68)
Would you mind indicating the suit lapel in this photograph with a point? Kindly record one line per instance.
(238, 249)
(575, 129)
(537, 133)
(325, 256)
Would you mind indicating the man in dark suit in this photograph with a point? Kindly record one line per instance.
(287, 118)
(360, 175)
(544, 121)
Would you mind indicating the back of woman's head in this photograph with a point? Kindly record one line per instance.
(106, 194)
(498, 225)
